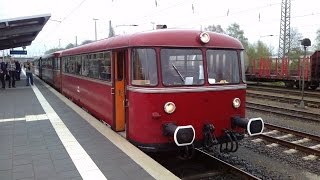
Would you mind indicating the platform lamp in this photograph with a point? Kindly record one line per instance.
(305, 43)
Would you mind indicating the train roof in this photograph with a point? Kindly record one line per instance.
(158, 38)
(54, 54)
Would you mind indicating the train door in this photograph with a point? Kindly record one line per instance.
(119, 91)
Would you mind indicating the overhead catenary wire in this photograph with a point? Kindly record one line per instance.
(157, 10)
(60, 22)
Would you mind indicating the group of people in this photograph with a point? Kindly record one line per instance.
(11, 71)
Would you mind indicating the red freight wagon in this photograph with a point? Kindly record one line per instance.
(288, 71)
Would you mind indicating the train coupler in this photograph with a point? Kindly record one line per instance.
(230, 143)
(209, 139)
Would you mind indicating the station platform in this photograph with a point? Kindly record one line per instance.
(45, 136)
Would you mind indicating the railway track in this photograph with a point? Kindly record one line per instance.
(296, 92)
(312, 99)
(226, 168)
(309, 103)
(251, 85)
(292, 139)
(294, 113)
(203, 166)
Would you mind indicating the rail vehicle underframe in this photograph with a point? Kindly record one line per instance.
(292, 82)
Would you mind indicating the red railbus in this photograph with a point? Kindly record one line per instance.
(163, 89)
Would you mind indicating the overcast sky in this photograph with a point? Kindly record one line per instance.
(258, 18)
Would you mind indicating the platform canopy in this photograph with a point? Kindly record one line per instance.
(21, 31)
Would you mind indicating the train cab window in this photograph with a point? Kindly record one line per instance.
(144, 67)
(222, 66)
(181, 67)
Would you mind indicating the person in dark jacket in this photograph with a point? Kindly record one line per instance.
(18, 70)
(3, 72)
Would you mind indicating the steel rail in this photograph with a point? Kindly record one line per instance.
(291, 131)
(283, 111)
(230, 168)
(290, 144)
(309, 103)
(314, 93)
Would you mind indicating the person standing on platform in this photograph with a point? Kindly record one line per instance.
(28, 67)
(18, 70)
(3, 72)
(12, 73)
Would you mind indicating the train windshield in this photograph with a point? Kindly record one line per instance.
(222, 66)
(144, 67)
(182, 67)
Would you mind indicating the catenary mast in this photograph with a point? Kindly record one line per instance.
(284, 38)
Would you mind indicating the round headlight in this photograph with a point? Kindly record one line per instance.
(236, 103)
(204, 37)
(169, 107)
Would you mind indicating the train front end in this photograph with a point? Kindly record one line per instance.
(187, 97)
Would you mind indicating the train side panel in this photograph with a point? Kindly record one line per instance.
(47, 75)
(315, 70)
(93, 95)
(57, 79)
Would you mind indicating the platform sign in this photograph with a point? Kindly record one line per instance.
(19, 52)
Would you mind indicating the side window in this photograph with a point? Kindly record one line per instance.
(85, 65)
(70, 65)
(94, 66)
(53, 63)
(58, 63)
(78, 65)
(144, 67)
(105, 66)
(63, 64)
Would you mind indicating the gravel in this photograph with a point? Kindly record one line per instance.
(273, 163)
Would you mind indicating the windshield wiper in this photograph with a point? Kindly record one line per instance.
(175, 68)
